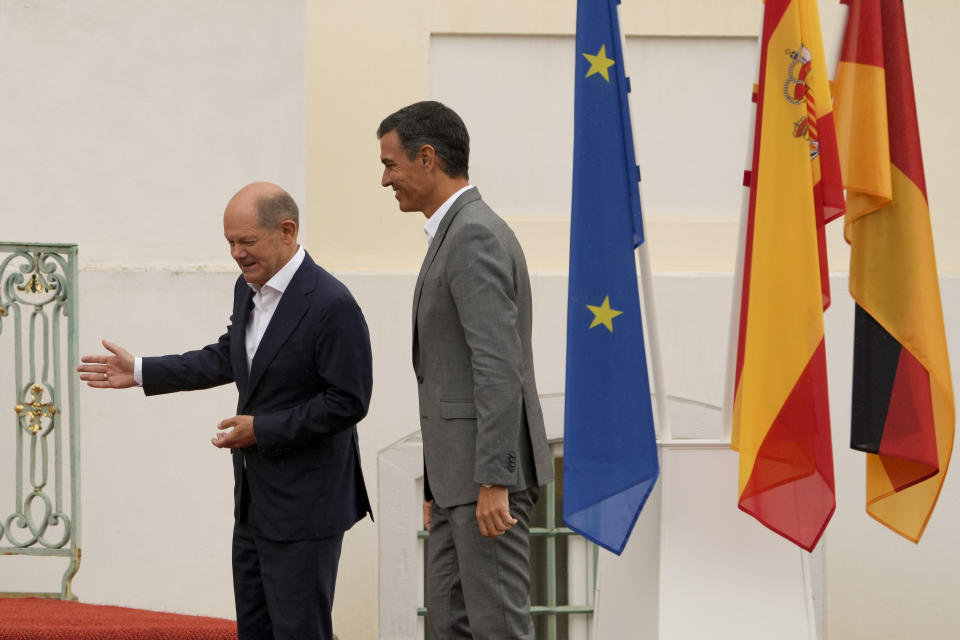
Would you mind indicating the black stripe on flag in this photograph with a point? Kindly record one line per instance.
(875, 357)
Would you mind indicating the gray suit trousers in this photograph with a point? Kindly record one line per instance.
(479, 588)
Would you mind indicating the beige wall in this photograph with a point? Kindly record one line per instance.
(505, 65)
(396, 68)
(364, 61)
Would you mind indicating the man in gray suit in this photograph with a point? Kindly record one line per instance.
(484, 445)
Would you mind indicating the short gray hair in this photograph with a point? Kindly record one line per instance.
(275, 208)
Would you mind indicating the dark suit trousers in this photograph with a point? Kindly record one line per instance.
(284, 589)
(479, 588)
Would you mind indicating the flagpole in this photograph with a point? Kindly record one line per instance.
(733, 334)
(662, 419)
(813, 632)
(653, 335)
(662, 422)
(595, 627)
(838, 41)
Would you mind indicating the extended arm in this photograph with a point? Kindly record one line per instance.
(190, 371)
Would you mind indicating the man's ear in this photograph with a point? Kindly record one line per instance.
(427, 156)
(288, 230)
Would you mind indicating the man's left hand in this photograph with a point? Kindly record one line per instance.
(241, 436)
(493, 511)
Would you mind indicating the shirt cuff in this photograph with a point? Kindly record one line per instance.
(138, 371)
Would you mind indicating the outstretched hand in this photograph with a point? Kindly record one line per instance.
(108, 372)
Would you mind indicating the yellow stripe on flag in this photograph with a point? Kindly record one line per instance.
(785, 310)
(860, 108)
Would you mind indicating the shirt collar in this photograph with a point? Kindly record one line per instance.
(433, 222)
(281, 279)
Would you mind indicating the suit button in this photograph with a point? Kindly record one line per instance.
(423, 417)
(419, 379)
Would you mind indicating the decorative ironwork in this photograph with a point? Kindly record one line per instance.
(35, 411)
(38, 303)
(36, 283)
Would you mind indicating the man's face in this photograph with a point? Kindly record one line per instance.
(408, 178)
(259, 252)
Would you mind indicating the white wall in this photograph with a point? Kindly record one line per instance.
(128, 124)
(126, 127)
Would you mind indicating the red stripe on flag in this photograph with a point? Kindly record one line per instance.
(791, 488)
(901, 102)
(831, 177)
(822, 243)
(772, 15)
(862, 42)
(908, 448)
(828, 197)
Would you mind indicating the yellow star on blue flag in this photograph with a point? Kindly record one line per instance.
(599, 63)
(603, 314)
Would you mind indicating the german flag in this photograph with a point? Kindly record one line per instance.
(903, 415)
(781, 419)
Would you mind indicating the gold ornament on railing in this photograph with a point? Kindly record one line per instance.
(35, 284)
(36, 410)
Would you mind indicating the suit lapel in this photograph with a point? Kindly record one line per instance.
(464, 199)
(238, 337)
(290, 310)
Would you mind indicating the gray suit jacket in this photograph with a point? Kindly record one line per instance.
(480, 414)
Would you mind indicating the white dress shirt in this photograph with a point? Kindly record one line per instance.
(265, 300)
(433, 222)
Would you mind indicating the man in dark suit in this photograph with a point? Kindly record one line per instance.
(298, 350)
(484, 444)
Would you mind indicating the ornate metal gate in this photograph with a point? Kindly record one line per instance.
(39, 351)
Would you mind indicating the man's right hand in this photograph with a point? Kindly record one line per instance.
(108, 372)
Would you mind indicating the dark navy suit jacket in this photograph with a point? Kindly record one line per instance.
(308, 386)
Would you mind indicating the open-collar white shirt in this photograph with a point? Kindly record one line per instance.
(265, 301)
(433, 222)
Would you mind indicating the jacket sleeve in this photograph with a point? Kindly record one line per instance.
(481, 277)
(344, 365)
(201, 369)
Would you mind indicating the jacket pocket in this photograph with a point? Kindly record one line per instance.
(458, 410)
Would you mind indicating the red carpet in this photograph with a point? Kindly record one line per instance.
(39, 619)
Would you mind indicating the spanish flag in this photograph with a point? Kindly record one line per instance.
(781, 419)
(903, 415)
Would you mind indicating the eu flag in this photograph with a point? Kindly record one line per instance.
(610, 452)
